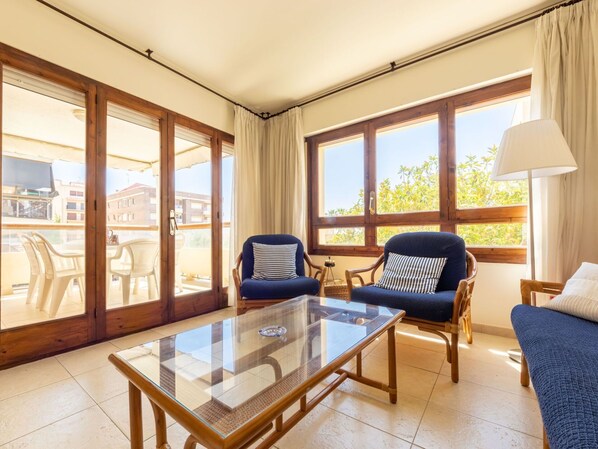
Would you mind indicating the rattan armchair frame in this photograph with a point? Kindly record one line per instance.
(243, 304)
(461, 309)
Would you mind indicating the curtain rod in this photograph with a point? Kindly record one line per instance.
(392, 66)
(147, 54)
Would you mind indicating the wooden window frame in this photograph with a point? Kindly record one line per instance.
(448, 216)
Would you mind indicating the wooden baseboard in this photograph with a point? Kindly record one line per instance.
(493, 330)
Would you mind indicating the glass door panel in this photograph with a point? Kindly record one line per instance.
(43, 200)
(192, 212)
(132, 208)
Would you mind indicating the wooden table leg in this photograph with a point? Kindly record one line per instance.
(392, 366)
(160, 419)
(135, 417)
(190, 443)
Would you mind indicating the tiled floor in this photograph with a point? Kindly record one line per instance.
(77, 400)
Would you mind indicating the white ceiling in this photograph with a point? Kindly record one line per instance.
(271, 54)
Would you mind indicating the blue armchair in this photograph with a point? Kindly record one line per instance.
(443, 311)
(254, 293)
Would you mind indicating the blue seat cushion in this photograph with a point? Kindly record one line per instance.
(287, 288)
(562, 355)
(437, 307)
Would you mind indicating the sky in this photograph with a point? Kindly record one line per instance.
(476, 131)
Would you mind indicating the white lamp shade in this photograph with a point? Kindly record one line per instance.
(538, 147)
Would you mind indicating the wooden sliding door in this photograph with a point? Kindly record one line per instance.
(48, 158)
(132, 186)
(194, 214)
(111, 214)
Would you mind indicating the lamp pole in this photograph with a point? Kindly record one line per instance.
(532, 246)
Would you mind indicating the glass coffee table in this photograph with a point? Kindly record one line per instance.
(228, 383)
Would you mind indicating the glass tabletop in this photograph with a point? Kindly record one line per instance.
(227, 372)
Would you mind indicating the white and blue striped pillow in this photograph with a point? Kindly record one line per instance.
(411, 274)
(274, 262)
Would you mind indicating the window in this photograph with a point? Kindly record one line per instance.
(192, 180)
(341, 197)
(71, 206)
(426, 168)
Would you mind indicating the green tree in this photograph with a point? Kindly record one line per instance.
(417, 190)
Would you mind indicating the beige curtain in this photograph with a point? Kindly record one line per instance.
(284, 181)
(247, 178)
(564, 87)
(270, 191)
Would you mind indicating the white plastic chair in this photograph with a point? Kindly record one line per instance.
(59, 270)
(35, 267)
(179, 245)
(142, 255)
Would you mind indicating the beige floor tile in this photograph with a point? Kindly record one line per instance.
(324, 428)
(136, 339)
(89, 429)
(442, 428)
(410, 380)
(502, 376)
(103, 383)
(488, 348)
(21, 379)
(27, 412)
(506, 409)
(375, 344)
(177, 436)
(412, 336)
(117, 410)
(374, 408)
(86, 359)
(413, 356)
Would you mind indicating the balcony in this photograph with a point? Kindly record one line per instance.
(193, 266)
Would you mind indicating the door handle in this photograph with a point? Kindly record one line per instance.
(173, 224)
(372, 202)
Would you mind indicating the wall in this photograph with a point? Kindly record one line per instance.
(37, 30)
(503, 56)
(499, 57)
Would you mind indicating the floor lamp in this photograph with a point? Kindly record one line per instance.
(534, 149)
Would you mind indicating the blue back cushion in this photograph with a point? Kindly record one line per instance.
(271, 239)
(433, 244)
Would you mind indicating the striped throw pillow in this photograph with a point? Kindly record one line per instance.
(274, 262)
(580, 295)
(411, 274)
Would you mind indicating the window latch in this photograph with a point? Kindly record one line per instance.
(173, 224)
(372, 202)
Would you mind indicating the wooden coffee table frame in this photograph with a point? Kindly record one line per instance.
(264, 421)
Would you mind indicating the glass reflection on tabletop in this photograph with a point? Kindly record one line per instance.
(226, 372)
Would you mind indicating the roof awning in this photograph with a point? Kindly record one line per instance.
(47, 152)
(30, 178)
